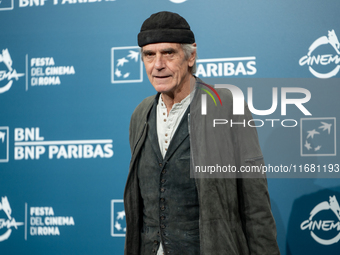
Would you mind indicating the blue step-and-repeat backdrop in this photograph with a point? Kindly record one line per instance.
(71, 76)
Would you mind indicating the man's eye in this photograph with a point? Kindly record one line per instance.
(149, 54)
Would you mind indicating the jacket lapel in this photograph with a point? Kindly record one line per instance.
(180, 135)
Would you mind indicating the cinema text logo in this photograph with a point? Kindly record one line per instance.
(7, 76)
(44, 71)
(238, 106)
(324, 225)
(44, 222)
(226, 67)
(8, 223)
(323, 60)
(29, 144)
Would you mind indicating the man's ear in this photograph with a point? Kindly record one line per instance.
(192, 58)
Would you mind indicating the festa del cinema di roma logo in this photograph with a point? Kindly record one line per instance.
(42, 221)
(7, 76)
(8, 223)
(324, 225)
(323, 60)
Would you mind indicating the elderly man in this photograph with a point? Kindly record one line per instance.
(167, 212)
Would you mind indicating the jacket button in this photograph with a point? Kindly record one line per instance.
(162, 217)
(162, 189)
(162, 199)
(155, 242)
(163, 226)
(162, 208)
(160, 164)
(163, 171)
(163, 181)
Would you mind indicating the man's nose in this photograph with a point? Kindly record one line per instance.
(159, 64)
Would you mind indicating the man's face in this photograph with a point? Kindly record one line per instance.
(166, 66)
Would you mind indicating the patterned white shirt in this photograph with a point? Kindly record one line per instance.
(167, 124)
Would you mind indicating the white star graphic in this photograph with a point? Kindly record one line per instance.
(312, 133)
(121, 61)
(307, 145)
(121, 215)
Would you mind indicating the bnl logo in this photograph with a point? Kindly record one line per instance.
(318, 136)
(118, 223)
(6, 5)
(126, 65)
(4, 142)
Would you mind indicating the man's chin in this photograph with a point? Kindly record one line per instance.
(163, 91)
(162, 87)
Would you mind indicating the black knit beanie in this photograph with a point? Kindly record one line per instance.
(165, 27)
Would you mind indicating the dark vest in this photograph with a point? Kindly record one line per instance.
(170, 201)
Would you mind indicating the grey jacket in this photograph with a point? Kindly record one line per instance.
(235, 214)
